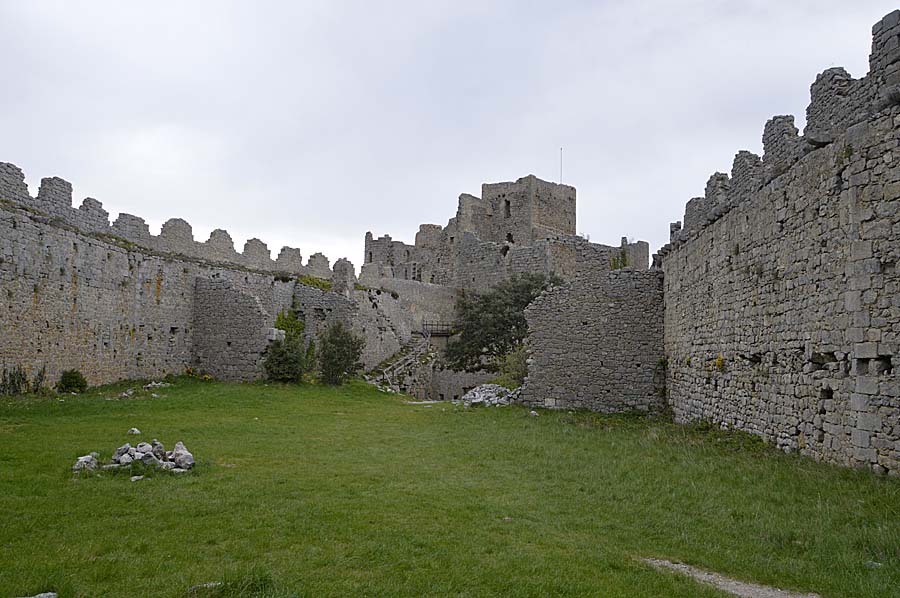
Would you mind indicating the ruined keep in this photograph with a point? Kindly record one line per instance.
(525, 226)
(774, 308)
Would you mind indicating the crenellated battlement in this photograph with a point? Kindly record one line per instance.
(838, 102)
(54, 200)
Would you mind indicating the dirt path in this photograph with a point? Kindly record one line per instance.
(726, 584)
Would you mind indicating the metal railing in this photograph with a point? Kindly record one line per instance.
(435, 328)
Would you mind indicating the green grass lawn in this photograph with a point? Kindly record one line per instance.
(313, 491)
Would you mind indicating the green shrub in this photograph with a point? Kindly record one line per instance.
(339, 351)
(71, 381)
(288, 321)
(513, 368)
(284, 361)
(315, 281)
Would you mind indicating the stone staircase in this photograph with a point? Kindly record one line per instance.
(401, 374)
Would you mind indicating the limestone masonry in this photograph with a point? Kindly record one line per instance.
(782, 295)
(774, 308)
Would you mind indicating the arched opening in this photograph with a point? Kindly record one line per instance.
(505, 250)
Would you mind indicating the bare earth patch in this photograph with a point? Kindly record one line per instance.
(726, 584)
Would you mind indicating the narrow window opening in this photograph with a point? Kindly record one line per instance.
(506, 208)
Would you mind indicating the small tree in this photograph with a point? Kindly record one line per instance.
(339, 352)
(492, 324)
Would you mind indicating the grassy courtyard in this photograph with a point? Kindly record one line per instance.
(312, 491)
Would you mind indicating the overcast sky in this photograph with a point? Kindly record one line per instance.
(309, 123)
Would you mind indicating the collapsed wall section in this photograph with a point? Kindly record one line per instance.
(597, 343)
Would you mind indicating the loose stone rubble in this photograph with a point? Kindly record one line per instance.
(488, 395)
(178, 460)
(88, 462)
(153, 385)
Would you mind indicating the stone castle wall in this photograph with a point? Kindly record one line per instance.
(597, 343)
(71, 300)
(76, 296)
(782, 289)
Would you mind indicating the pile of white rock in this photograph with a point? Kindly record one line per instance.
(178, 460)
(488, 395)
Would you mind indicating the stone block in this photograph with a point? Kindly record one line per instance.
(868, 421)
(859, 402)
(865, 350)
(860, 250)
(867, 385)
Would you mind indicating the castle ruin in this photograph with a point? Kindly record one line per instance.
(513, 228)
(774, 308)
